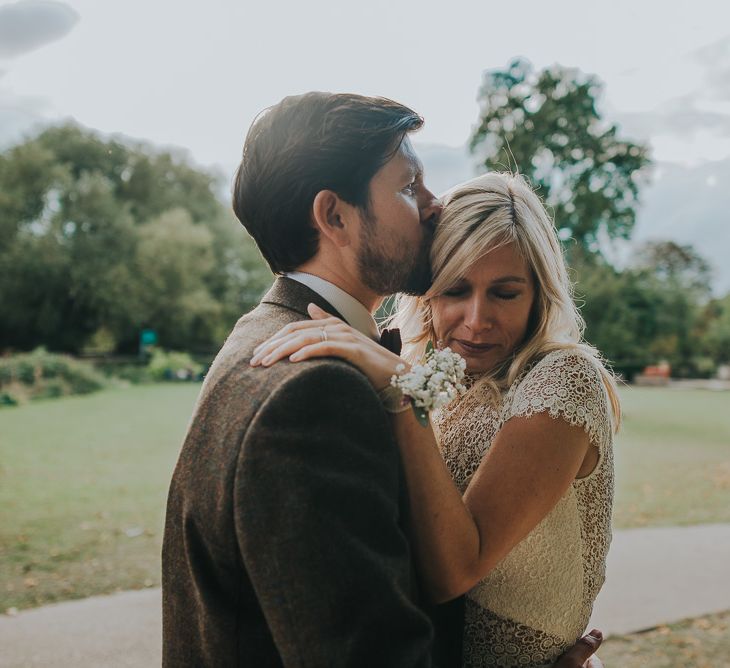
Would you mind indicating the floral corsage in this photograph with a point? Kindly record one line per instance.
(426, 386)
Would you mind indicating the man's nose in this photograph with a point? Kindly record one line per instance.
(431, 208)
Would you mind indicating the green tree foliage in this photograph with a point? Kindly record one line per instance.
(716, 334)
(679, 266)
(174, 257)
(650, 311)
(546, 126)
(100, 238)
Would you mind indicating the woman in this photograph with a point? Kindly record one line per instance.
(511, 491)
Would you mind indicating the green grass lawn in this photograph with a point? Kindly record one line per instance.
(673, 458)
(83, 481)
(693, 643)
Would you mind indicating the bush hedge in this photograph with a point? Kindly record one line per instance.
(42, 375)
(173, 365)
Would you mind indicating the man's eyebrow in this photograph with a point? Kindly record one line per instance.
(510, 279)
(413, 169)
(414, 166)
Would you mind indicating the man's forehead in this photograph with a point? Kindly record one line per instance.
(410, 158)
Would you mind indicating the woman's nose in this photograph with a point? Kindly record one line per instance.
(478, 317)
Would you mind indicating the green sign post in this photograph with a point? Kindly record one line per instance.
(147, 341)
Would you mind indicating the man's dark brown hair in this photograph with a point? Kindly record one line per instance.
(305, 144)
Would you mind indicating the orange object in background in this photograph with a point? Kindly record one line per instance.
(661, 370)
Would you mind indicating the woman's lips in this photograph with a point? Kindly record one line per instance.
(473, 347)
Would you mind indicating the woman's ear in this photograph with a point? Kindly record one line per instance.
(332, 216)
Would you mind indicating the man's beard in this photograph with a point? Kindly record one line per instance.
(405, 269)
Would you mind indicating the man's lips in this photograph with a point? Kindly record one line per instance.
(474, 347)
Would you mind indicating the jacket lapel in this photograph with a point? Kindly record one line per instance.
(295, 296)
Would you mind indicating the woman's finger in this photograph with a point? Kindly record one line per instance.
(298, 350)
(341, 349)
(302, 337)
(300, 325)
(316, 312)
(277, 349)
(289, 345)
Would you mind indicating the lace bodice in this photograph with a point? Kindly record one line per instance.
(538, 599)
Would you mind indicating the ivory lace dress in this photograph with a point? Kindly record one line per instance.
(538, 599)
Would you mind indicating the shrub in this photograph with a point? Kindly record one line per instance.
(40, 374)
(25, 371)
(7, 399)
(137, 374)
(173, 365)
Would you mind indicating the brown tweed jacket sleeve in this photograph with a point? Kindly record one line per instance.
(284, 539)
(319, 526)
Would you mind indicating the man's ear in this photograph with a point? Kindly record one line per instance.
(332, 216)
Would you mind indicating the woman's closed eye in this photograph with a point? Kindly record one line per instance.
(502, 294)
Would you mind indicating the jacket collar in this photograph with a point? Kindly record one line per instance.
(296, 296)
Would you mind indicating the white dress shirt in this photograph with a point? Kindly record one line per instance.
(352, 311)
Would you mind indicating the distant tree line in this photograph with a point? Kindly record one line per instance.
(100, 239)
(103, 238)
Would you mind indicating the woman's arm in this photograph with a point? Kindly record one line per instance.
(458, 541)
(529, 467)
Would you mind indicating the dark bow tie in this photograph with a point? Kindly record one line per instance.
(390, 339)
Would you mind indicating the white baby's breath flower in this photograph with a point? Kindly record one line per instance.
(434, 383)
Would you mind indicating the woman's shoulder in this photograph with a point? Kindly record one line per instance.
(566, 383)
(570, 365)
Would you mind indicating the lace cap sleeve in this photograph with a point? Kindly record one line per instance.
(567, 385)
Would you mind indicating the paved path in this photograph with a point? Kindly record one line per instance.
(664, 575)
(654, 576)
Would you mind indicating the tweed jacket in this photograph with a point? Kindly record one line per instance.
(285, 540)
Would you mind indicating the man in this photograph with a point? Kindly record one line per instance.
(286, 532)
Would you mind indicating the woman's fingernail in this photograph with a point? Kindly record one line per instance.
(294, 357)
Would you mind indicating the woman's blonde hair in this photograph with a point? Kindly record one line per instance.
(479, 216)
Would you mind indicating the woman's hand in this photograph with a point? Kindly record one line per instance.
(327, 336)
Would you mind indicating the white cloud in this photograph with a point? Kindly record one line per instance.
(29, 24)
(691, 123)
(715, 58)
(715, 54)
(684, 116)
(20, 116)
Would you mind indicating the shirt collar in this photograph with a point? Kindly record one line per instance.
(352, 310)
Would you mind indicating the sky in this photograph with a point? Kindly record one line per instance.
(194, 74)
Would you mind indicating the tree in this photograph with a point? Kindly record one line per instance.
(716, 337)
(679, 265)
(547, 125)
(650, 311)
(100, 238)
(173, 258)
